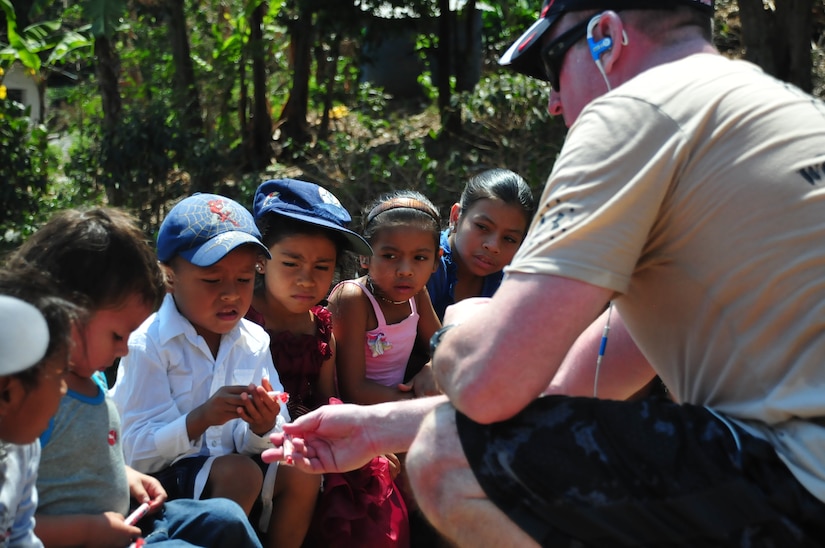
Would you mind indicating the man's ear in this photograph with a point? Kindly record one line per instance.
(455, 211)
(612, 25)
(364, 261)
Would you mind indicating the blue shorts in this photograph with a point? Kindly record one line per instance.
(179, 478)
(587, 472)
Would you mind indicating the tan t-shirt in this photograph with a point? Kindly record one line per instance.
(696, 191)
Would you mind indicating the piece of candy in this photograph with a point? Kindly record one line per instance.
(288, 450)
(138, 514)
(280, 397)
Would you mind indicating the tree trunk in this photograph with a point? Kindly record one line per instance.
(186, 89)
(243, 105)
(294, 114)
(465, 56)
(794, 22)
(779, 41)
(187, 101)
(261, 149)
(108, 71)
(329, 69)
(450, 119)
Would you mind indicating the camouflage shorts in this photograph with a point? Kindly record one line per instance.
(586, 472)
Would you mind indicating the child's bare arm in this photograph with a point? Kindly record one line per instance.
(145, 488)
(106, 530)
(428, 322)
(423, 383)
(350, 310)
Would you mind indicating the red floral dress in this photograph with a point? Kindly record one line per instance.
(298, 360)
(359, 508)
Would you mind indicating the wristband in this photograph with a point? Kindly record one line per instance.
(435, 340)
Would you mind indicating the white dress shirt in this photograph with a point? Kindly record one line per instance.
(170, 371)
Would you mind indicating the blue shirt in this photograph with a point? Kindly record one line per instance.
(441, 285)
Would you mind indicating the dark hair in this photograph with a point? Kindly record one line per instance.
(36, 289)
(275, 228)
(402, 207)
(95, 257)
(500, 184)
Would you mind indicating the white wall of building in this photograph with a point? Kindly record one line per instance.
(22, 88)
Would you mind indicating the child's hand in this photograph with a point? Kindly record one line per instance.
(259, 408)
(145, 488)
(224, 405)
(108, 530)
(423, 384)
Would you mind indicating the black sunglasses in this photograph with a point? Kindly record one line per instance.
(552, 55)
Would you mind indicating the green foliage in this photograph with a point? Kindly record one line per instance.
(43, 36)
(503, 22)
(374, 144)
(385, 144)
(30, 189)
(105, 15)
(18, 48)
(23, 169)
(146, 151)
(508, 117)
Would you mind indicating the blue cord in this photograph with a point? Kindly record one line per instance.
(602, 348)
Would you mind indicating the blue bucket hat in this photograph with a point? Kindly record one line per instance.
(309, 203)
(524, 55)
(204, 228)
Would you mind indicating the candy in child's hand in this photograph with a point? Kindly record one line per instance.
(138, 514)
(280, 397)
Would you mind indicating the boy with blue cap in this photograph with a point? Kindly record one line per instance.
(198, 391)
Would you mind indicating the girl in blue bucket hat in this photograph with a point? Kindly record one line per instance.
(306, 230)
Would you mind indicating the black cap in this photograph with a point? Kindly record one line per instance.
(523, 55)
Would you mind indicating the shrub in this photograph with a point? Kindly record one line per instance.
(24, 166)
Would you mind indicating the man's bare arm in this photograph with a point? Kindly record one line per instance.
(505, 351)
(623, 370)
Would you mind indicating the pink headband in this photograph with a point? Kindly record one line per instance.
(397, 203)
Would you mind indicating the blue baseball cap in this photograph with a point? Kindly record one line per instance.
(309, 203)
(203, 228)
(524, 55)
(24, 335)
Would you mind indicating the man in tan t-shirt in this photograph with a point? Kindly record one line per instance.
(683, 220)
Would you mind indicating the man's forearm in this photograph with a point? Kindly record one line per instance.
(396, 423)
